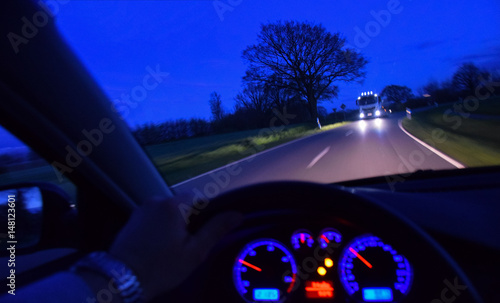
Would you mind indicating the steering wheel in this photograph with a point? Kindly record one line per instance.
(271, 210)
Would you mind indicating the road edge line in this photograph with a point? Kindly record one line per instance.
(432, 149)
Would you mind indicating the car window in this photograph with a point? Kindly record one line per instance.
(391, 87)
(20, 164)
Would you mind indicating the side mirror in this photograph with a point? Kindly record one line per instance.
(35, 216)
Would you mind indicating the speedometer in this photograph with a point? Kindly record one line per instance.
(265, 270)
(372, 271)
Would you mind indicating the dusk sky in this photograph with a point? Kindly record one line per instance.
(200, 46)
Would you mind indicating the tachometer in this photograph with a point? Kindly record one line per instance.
(265, 270)
(372, 271)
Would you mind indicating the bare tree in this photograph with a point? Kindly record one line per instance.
(278, 92)
(397, 93)
(253, 97)
(306, 58)
(430, 88)
(216, 106)
(439, 92)
(468, 77)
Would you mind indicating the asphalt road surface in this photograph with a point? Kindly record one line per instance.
(361, 149)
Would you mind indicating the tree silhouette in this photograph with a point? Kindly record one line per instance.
(253, 97)
(306, 58)
(216, 106)
(467, 78)
(397, 93)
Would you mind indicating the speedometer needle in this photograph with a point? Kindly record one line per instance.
(249, 265)
(360, 258)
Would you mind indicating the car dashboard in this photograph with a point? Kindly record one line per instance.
(325, 243)
(324, 260)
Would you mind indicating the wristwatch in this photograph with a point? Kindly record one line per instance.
(122, 278)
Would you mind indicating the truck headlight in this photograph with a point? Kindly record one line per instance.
(361, 115)
(377, 113)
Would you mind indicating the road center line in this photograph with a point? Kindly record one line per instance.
(349, 133)
(319, 156)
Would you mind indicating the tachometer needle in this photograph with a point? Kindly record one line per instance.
(249, 265)
(360, 258)
(325, 238)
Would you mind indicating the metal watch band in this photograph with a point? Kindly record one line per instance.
(124, 280)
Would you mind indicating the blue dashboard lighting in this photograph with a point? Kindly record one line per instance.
(329, 235)
(264, 260)
(266, 294)
(393, 268)
(377, 294)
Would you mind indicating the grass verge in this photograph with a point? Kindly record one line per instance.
(184, 159)
(471, 137)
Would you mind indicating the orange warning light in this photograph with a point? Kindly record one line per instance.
(319, 289)
(328, 262)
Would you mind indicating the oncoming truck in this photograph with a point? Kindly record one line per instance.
(370, 105)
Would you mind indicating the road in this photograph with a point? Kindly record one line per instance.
(360, 149)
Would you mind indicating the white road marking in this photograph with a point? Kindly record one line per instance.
(437, 152)
(349, 133)
(244, 159)
(318, 157)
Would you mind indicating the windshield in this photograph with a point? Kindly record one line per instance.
(241, 92)
(367, 100)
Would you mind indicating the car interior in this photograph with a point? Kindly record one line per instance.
(428, 236)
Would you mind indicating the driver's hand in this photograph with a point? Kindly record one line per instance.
(156, 245)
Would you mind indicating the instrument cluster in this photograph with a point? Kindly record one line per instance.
(322, 267)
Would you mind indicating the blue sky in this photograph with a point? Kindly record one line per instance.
(200, 46)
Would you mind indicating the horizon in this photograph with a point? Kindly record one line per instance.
(199, 45)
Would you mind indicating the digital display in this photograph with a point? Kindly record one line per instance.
(319, 289)
(377, 294)
(266, 294)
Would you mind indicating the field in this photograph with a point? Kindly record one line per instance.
(470, 132)
(180, 160)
